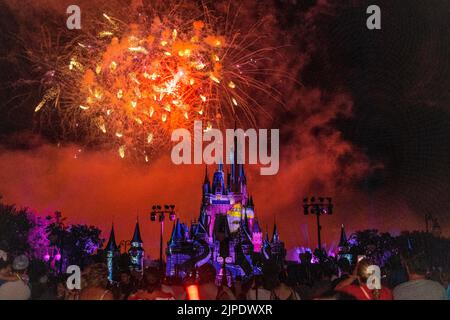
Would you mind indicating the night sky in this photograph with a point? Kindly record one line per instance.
(367, 122)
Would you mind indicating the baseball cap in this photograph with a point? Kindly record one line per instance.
(20, 263)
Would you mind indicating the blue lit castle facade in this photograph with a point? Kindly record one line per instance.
(136, 254)
(227, 233)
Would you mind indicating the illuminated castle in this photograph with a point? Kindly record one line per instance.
(227, 233)
(136, 253)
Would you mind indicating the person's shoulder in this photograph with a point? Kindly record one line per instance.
(401, 286)
(14, 284)
(17, 288)
(435, 284)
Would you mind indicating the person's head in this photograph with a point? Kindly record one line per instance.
(305, 257)
(362, 270)
(125, 277)
(344, 265)
(152, 278)
(417, 265)
(207, 273)
(20, 264)
(96, 276)
(4, 262)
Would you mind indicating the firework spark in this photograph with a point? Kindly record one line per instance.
(131, 81)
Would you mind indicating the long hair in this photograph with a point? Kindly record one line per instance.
(363, 276)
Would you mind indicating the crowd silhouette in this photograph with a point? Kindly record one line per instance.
(317, 276)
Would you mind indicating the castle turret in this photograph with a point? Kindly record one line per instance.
(256, 236)
(244, 229)
(250, 203)
(343, 242)
(177, 233)
(206, 184)
(136, 250)
(277, 250)
(343, 239)
(242, 180)
(266, 249)
(218, 184)
(226, 233)
(275, 235)
(112, 252)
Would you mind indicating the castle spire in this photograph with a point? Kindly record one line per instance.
(178, 231)
(246, 224)
(206, 185)
(343, 239)
(137, 234)
(112, 246)
(111, 253)
(275, 235)
(172, 235)
(218, 184)
(250, 203)
(136, 250)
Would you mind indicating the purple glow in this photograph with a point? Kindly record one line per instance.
(46, 257)
(58, 257)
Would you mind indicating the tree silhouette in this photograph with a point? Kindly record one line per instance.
(14, 229)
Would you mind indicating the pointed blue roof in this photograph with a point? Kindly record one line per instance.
(172, 235)
(275, 235)
(178, 231)
(137, 234)
(112, 246)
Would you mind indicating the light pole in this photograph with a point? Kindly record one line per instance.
(318, 206)
(158, 211)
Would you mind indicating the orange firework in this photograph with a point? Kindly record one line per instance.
(133, 83)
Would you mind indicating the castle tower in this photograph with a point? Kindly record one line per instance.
(218, 184)
(112, 252)
(256, 236)
(343, 242)
(226, 233)
(275, 235)
(242, 180)
(206, 185)
(136, 250)
(277, 250)
(266, 249)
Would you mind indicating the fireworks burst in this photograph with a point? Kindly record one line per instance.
(129, 82)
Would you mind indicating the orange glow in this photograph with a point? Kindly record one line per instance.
(192, 292)
(172, 75)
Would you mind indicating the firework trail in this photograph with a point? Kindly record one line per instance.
(127, 81)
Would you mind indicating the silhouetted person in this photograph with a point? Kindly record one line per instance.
(418, 287)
